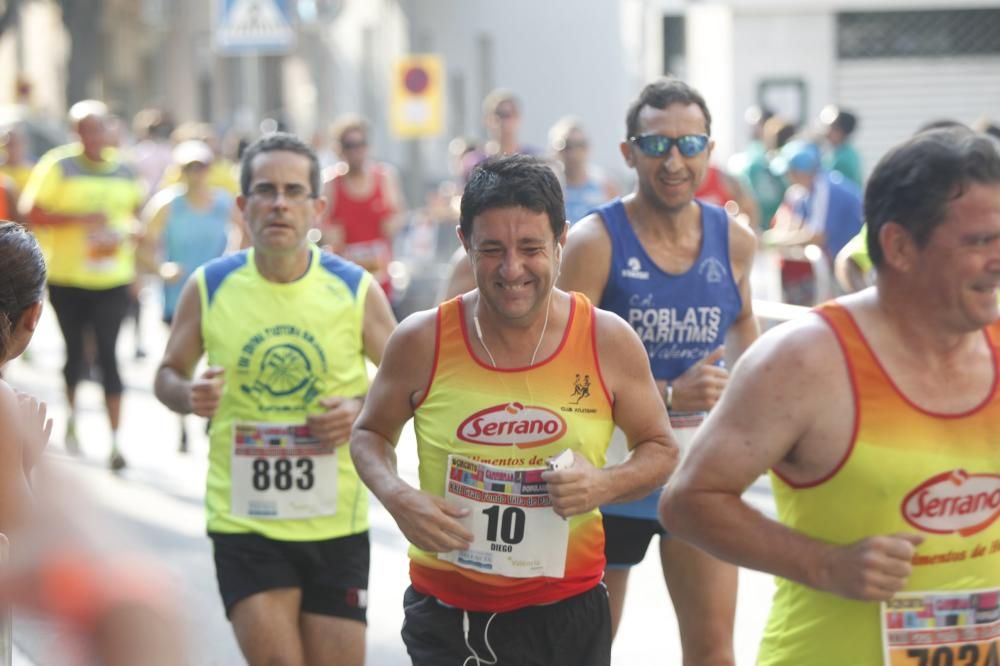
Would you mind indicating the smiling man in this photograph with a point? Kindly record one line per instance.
(514, 389)
(881, 428)
(678, 271)
(286, 329)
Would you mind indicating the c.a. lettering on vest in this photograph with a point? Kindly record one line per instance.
(954, 501)
(512, 424)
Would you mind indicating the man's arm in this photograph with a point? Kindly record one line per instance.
(174, 386)
(638, 412)
(405, 373)
(799, 430)
(853, 265)
(379, 323)
(745, 329)
(586, 259)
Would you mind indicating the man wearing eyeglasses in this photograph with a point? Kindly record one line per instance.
(678, 271)
(286, 328)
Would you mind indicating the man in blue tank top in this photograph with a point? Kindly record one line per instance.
(678, 270)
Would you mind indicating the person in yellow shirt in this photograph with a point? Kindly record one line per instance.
(87, 201)
(286, 328)
(881, 429)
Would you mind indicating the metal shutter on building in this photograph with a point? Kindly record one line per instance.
(892, 97)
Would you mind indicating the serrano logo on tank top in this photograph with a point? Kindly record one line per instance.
(954, 501)
(512, 424)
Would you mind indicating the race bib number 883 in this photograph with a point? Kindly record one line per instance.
(280, 471)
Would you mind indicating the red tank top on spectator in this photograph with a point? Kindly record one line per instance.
(362, 221)
(713, 189)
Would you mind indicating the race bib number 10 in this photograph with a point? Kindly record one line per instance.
(960, 628)
(280, 471)
(516, 532)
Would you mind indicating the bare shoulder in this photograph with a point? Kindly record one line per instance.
(742, 246)
(419, 327)
(803, 351)
(411, 345)
(615, 338)
(408, 362)
(589, 233)
(586, 261)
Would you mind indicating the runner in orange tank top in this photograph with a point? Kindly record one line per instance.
(881, 428)
(514, 389)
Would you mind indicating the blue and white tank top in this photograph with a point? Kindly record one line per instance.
(679, 318)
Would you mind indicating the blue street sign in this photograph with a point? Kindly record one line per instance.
(253, 26)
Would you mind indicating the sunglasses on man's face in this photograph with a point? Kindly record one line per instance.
(657, 145)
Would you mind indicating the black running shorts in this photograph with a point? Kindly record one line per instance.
(571, 632)
(332, 574)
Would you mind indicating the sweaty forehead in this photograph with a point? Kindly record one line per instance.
(674, 120)
(280, 166)
(511, 225)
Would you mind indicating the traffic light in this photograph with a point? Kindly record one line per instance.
(416, 96)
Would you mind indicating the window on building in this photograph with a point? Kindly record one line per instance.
(904, 34)
(674, 46)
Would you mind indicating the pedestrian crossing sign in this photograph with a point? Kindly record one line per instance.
(253, 26)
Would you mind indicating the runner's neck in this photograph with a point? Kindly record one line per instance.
(282, 268)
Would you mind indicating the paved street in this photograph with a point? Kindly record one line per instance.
(157, 506)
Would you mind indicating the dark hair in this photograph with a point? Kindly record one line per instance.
(276, 141)
(845, 121)
(509, 181)
(940, 123)
(22, 282)
(660, 94)
(914, 182)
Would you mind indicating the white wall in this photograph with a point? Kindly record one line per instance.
(559, 56)
(711, 63)
(773, 45)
